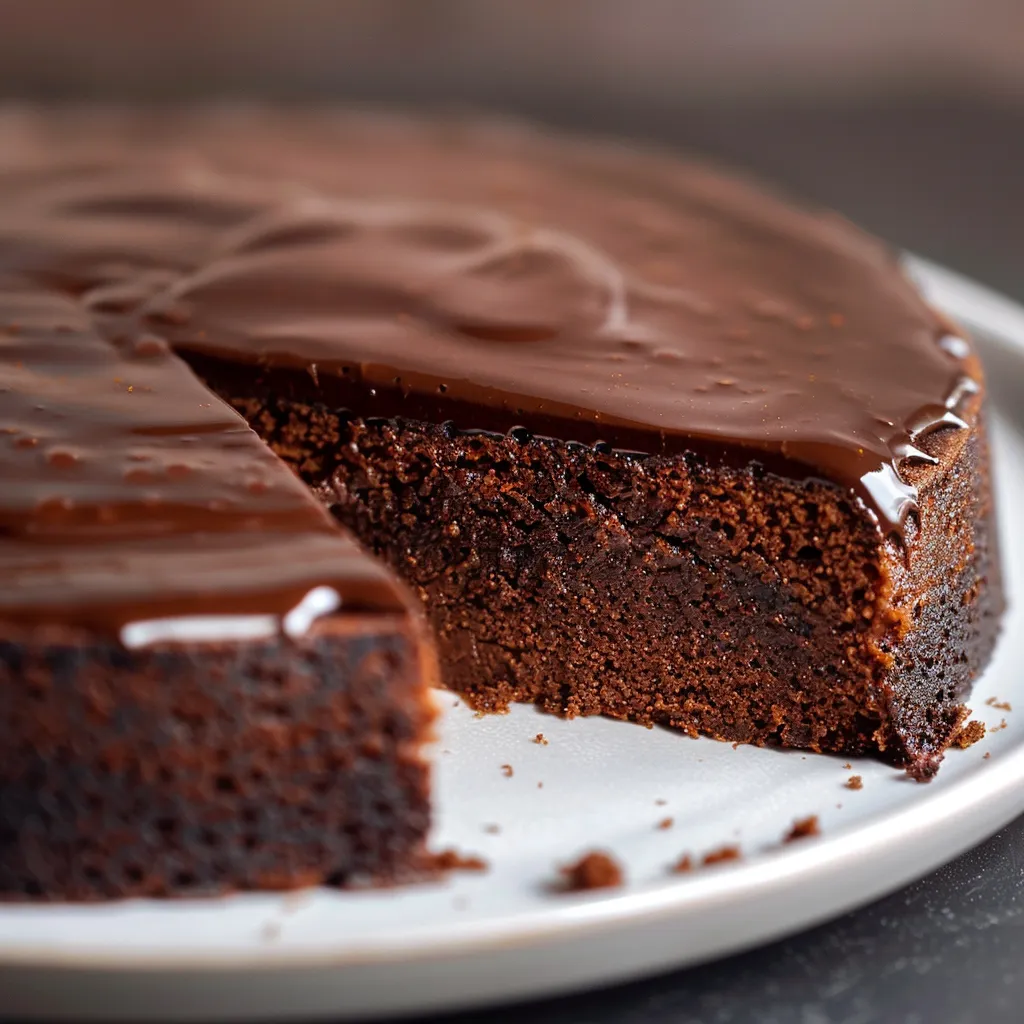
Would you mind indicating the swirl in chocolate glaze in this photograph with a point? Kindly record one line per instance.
(486, 276)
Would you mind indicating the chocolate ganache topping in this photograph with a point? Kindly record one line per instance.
(136, 504)
(485, 275)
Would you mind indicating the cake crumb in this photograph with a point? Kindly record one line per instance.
(666, 823)
(507, 771)
(803, 828)
(986, 755)
(540, 739)
(969, 734)
(999, 705)
(452, 860)
(854, 782)
(492, 830)
(660, 803)
(540, 785)
(681, 866)
(594, 870)
(848, 766)
(999, 727)
(722, 854)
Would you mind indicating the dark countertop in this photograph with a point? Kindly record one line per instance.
(947, 180)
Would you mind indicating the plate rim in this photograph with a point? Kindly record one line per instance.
(768, 875)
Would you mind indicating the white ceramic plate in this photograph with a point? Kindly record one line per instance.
(481, 938)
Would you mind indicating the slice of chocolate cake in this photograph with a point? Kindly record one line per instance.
(205, 684)
(647, 441)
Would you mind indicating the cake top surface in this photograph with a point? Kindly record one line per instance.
(137, 505)
(490, 275)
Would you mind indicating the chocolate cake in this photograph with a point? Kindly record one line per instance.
(646, 440)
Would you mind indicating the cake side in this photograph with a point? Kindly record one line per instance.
(722, 601)
(728, 601)
(207, 768)
(946, 591)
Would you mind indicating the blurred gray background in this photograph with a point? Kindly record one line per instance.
(518, 50)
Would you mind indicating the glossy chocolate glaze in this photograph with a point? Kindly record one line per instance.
(136, 504)
(487, 276)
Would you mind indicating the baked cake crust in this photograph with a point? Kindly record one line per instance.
(646, 440)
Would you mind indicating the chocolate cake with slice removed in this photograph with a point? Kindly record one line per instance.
(648, 441)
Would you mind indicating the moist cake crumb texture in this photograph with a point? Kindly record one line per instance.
(970, 734)
(636, 438)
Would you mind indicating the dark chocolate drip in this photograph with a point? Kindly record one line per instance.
(485, 276)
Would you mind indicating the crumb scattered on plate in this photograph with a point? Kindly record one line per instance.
(453, 860)
(540, 785)
(507, 771)
(803, 828)
(492, 830)
(666, 823)
(969, 734)
(722, 854)
(987, 755)
(999, 727)
(660, 803)
(541, 739)
(594, 870)
(681, 866)
(999, 705)
(854, 782)
(848, 766)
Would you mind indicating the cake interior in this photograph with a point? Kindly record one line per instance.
(723, 600)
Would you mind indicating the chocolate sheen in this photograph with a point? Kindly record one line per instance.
(485, 275)
(135, 503)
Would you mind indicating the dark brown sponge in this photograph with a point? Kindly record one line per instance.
(724, 601)
(186, 771)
